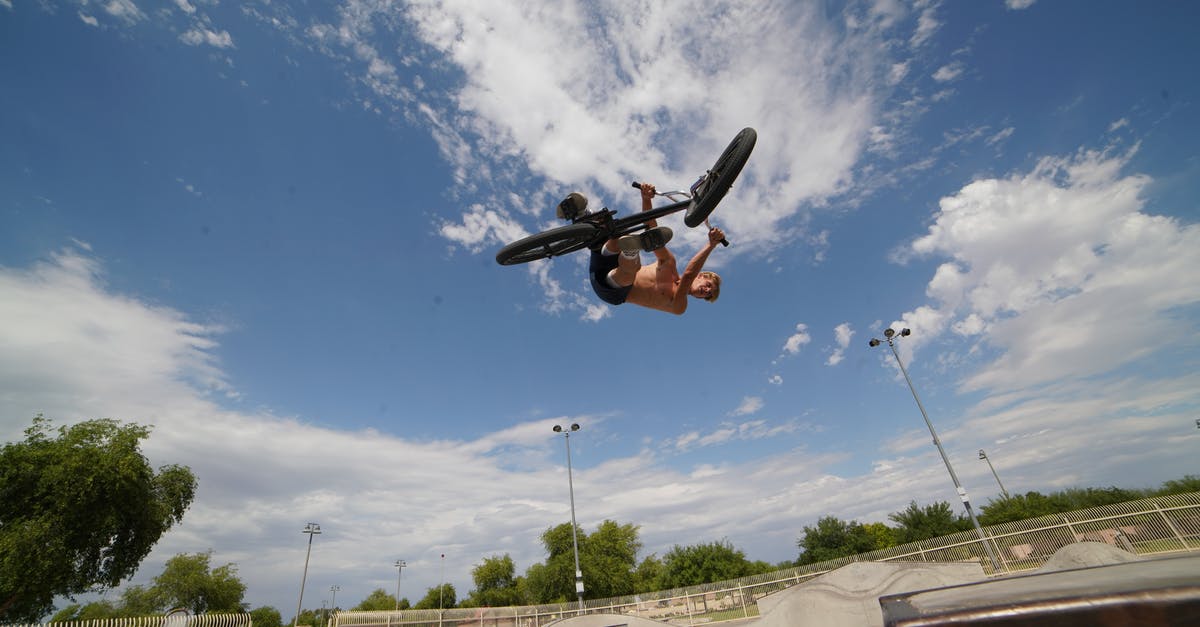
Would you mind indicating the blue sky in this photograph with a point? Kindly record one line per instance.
(268, 229)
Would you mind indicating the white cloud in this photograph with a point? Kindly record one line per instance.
(728, 432)
(927, 25)
(842, 336)
(125, 10)
(1063, 267)
(185, 6)
(198, 36)
(797, 340)
(1000, 136)
(88, 19)
(775, 380)
(750, 405)
(1017, 5)
(948, 72)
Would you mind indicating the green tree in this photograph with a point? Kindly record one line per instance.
(1017, 507)
(188, 582)
(266, 616)
(882, 536)
(649, 574)
(832, 538)
(140, 601)
(703, 563)
(378, 601)
(1082, 498)
(96, 610)
(495, 583)
(1189, 483)
(312, 618)
(79, 510)
(607, 557)
(932, 521)
(442, 596)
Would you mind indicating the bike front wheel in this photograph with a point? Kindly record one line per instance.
(552, 243)
(719, 179)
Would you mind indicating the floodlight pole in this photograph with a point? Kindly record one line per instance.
(311, 529)
(332, 604)
(889, 336)
(984, 457)
(571, 486)
(400, 564)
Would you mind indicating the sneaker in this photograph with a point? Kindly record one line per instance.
(573, 207)
(650, 240)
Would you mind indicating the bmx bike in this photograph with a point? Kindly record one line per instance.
(592, 230)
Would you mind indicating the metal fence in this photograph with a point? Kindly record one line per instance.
(168, 620)
(1158, 525)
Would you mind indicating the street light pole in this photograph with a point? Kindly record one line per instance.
(889, 334)
(984, 457)
(311, 529)
(571, 486)
(400, 564)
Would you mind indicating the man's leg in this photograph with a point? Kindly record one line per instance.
(628, 264)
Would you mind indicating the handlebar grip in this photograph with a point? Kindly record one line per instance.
(724, 242)
(637, 185)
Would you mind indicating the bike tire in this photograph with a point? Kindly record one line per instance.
(552, 243)
(721, 176)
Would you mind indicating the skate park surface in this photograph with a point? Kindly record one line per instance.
(1087, 583)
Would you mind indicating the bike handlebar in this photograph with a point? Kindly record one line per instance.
(724, 242)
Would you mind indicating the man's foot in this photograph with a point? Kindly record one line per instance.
(648, 240)
(573, 207)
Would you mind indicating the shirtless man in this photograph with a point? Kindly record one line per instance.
(618, 276)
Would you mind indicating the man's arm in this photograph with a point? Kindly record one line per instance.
(679, 301)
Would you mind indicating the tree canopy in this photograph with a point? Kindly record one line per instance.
(380, 600)
(704, 563)
(495, 583)
(80, 509)
(187, 581)
(438, 597)
(832, 538)
(922, 523)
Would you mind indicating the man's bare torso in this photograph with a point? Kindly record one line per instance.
(654, 287)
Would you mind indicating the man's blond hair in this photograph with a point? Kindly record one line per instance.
(716, 279)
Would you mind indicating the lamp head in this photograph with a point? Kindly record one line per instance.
(982, 455)
(874, 342)
(557, 428)
(574, 426)
(905, 332)
(888, 333)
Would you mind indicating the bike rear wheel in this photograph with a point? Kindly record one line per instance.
(720, 177)
(552, 243)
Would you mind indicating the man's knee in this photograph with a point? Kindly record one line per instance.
(619, 277)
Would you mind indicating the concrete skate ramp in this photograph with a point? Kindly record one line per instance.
(1086, 555)
(849, 596)
(606, 620)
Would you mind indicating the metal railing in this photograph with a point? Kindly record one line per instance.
(167, 620)
(1152, 526)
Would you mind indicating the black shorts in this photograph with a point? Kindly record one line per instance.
(598, 269)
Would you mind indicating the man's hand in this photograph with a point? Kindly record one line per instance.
(648, 191)
(715, 236)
